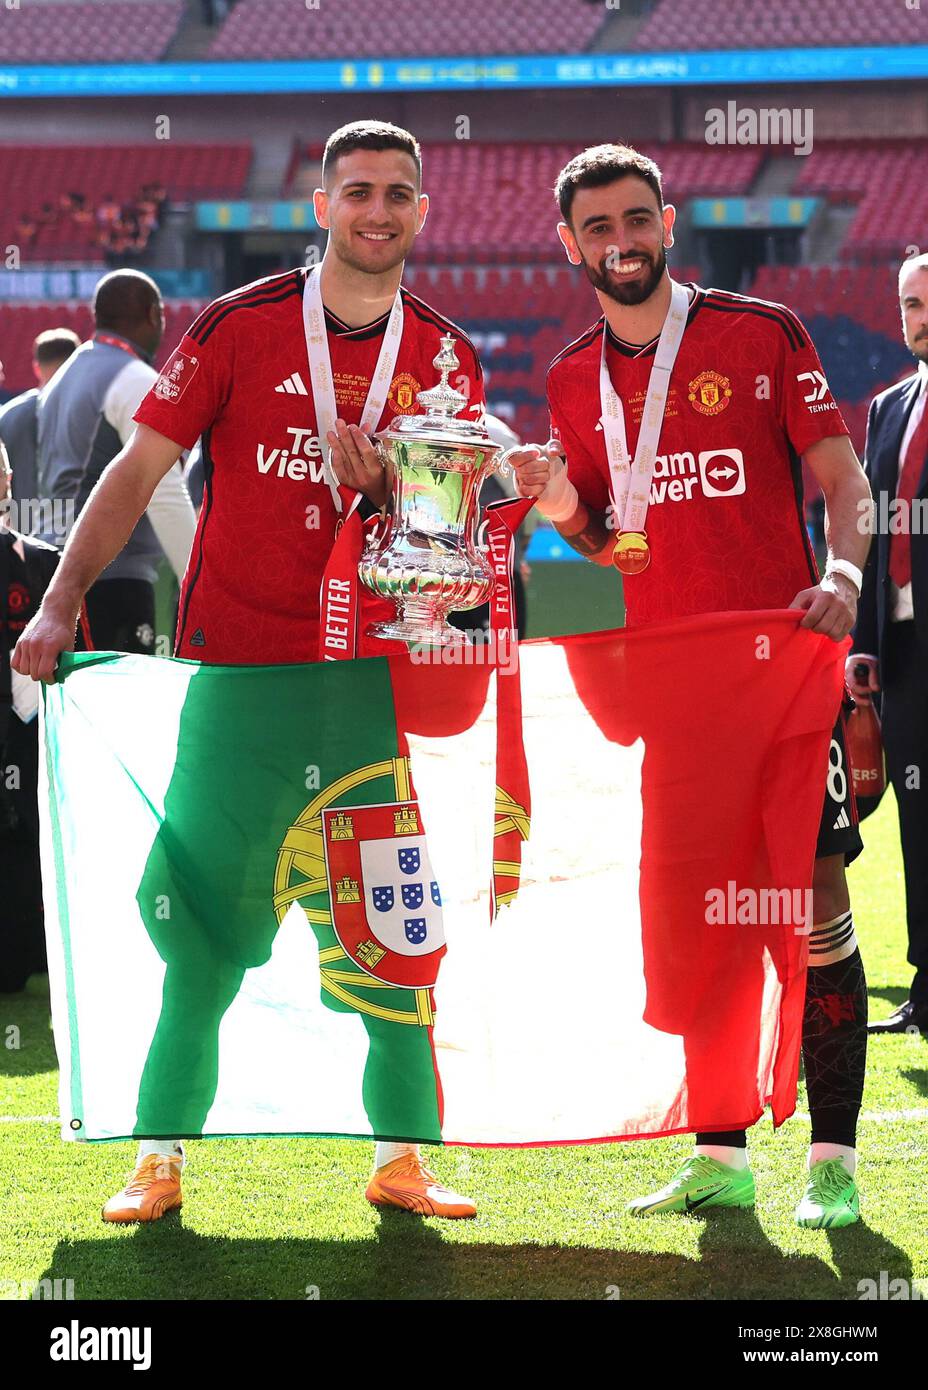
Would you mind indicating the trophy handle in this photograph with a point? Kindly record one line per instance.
(502, 465)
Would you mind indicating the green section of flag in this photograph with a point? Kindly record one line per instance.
(244, 773)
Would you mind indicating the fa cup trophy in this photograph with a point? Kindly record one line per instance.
(425, 556)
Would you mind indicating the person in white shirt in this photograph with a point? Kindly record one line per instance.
(85, 420)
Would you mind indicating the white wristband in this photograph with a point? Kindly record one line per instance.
(560, 498)
(849, 571)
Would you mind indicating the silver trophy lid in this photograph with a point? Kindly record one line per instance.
(441, 404)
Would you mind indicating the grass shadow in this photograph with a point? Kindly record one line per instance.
(31, 1049)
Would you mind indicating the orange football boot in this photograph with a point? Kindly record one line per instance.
(408, 1184)
(152, 1189)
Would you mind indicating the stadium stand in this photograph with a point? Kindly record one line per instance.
(494, 202)
(705, 24)
(852, 313)
(42, 175)
(369, 29)
(878, 175)
(84, 32)
(519, 318)
(20, 324)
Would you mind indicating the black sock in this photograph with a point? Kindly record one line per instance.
(834, 1048)
(733, 1138)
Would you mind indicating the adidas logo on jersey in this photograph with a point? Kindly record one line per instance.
(293, 386)
(843, 820)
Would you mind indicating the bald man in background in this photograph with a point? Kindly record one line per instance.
(84, 420)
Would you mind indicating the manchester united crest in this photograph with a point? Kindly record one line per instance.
(709, 393)
(386, 902)
(402, 394)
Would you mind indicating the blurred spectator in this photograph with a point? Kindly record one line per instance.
(79, 210)
(214, 11)
(5, 395)
(108, 211)
(18, 418)
(26, 568)
(85, 418)
(122, 229)
(27, 230)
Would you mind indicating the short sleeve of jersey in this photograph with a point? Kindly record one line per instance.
(193, 386)
(582, 469)
(808, 411)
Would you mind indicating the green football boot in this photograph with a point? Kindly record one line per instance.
(831, 1198)
(701, 1182)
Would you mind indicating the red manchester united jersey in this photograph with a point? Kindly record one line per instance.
(239, 380)
(747, 397)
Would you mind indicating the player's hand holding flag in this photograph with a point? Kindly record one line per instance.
(831, 606)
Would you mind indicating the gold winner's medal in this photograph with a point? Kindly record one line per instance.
(632, 553)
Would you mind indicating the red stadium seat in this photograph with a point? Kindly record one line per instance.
(40, 174)
(20, 324)
(874, 174)
(705, 24)
(79, 32)
(281, 29)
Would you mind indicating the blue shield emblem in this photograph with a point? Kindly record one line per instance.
(415, 930)
(409, 859)
(413, 895)
(436, 893)
(383, 898)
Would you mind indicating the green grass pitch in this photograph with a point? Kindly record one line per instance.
(280, 1219)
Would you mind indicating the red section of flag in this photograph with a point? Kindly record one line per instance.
(733, 714)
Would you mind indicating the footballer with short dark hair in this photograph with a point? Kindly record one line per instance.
(737, 401)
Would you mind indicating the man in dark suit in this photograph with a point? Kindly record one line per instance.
(891, 636)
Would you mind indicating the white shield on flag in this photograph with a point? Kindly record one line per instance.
(401, 896)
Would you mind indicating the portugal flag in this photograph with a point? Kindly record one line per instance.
(374, 898)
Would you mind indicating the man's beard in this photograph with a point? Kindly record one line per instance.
(636, 291)
(919, 350)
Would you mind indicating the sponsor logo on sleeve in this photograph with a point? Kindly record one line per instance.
(816, 388)
(176, 377)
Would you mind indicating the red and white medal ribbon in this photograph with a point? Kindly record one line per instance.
(630, 482)
(320, 371)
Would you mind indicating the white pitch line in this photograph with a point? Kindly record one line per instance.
(29, 1120)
